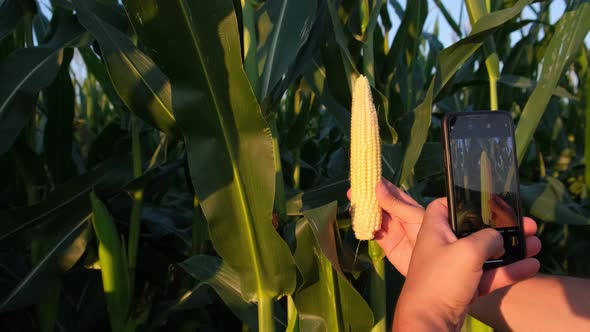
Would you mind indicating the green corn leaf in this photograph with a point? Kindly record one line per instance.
(250, 43)
(17, 114)
(418, 135)
(369, 16)
(10, 14)
(326, 301)
(61, 252)
(319, 196)
(225, 281)
(228, 142)
(569, 34)
(306, 53)
(59, 100)
(430, 162)
(316, 78)
(112, 264)
(41, 26)
(293, 324)
(331, 64)
(349, 67)
(292, 21)
(449, 61)
(452, 57)
(476, 9)
(296, 132)
(473, 325)
(139, 82)
(106, 178)
(69, 203)
(27, 71)
(448, 17)
(406, 39)
(98, 70)
(527, 83)
(549, 201)
(196, 298)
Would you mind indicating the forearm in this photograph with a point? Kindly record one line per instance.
(541, 303)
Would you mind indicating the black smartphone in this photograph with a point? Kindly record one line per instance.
(481, 171)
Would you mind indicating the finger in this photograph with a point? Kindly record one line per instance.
(395, 191)
(481, 245)
(435, 226)
(507, 275)
(533, 246)
(493, 203)
(502, 203)
(390, 234)
(437, 211)
(403, 196)
(529, 226)
(395, 206)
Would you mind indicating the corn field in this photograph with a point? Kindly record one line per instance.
(181, 165)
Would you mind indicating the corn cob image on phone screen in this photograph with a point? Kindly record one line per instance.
(484, 183)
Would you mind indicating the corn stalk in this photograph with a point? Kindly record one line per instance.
(137, 202)
(199, 229)
(377, 273)
(587, 129)
(378, 299)
(477, 9)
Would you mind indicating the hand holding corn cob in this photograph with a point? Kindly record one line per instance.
(365, 162)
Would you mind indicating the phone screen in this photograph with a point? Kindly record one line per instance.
(484, 178)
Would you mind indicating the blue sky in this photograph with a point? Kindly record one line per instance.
(447, 36)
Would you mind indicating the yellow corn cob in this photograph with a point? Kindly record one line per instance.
(485, 172)
(365, 162)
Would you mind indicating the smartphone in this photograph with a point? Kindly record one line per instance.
(481, 171)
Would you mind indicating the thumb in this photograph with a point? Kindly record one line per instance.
(507, 275)
(480, 246)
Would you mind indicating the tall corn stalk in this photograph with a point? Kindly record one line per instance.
(369, 12)
(137, 202)
(477, 9)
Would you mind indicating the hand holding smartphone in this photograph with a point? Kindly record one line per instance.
(482, 178)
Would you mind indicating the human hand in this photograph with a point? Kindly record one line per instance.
(503, 215)
(401, 220)
(400, 223)
(446, 273)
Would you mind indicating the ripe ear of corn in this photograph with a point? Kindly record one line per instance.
(365, 162)
(485, 171)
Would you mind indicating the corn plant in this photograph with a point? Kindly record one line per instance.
(175, 165)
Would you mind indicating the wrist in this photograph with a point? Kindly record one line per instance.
(421, 313)
(421, 320)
